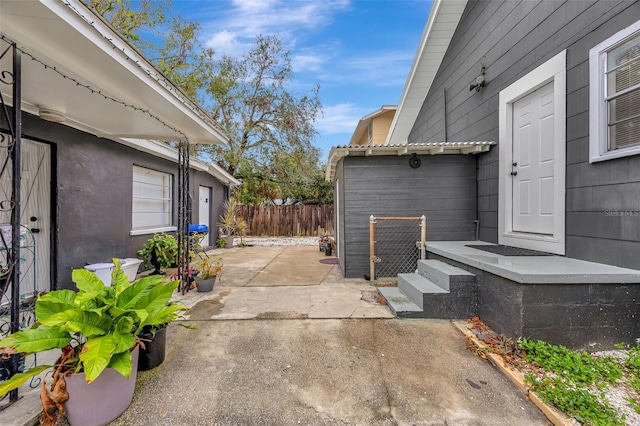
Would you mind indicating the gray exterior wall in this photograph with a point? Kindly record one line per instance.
(511, 38)
(339, 213)
(443, 189)
(92, 196)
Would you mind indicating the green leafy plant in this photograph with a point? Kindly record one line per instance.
(221, 242)
(576, 366)
(632, 364)
(576, 401)
(161, 249)
(567, 380)
(209, 267)
(96, 327)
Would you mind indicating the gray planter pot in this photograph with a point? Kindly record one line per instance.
(205, 285)
(103, 400)
(229, 241)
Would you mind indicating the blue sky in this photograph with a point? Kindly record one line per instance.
(359, 51)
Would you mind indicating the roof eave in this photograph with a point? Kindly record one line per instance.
(71, 40)
(337, 153)
(445, 15)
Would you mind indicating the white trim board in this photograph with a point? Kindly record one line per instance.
(554, 70)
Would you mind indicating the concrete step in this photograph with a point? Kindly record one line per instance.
(416, 286)
(399, 303)
(443, 274)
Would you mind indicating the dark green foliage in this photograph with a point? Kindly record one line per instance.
(570, 378)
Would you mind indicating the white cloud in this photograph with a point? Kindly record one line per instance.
(380, 69)
(248, 18)
(225, 42)
(340, 118)
(307, 62)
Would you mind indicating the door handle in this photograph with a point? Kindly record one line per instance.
(514, 173)
(34, 230)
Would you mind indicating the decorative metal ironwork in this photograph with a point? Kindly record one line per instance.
(27, 318)
(184, 215)
(11, 118)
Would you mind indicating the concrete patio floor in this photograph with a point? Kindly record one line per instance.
(283, 339)
(282, 282)
(324, 372)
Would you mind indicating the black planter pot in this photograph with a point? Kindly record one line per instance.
(154, 349)
(156, 264)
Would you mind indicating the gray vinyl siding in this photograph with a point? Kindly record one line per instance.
(92, 196)
(443, 189)
(510, 39)
(339, 214)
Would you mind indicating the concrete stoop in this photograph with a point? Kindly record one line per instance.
(437, 290)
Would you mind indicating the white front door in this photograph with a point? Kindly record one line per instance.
(532, 159)
(532, 165)
(204, 212)
(35, 214)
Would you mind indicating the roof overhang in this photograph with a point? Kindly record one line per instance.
(441, 25)
(167, 152)
(75, 65)
(337, 153)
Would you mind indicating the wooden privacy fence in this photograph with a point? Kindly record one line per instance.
(287, 221)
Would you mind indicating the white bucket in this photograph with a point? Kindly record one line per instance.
(103, 271)
(130, 267)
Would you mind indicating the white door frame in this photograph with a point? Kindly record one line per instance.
(554, 70)
(206, 241)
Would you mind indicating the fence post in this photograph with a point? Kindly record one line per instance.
(423, 237)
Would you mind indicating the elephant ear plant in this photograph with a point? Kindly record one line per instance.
(96, 327)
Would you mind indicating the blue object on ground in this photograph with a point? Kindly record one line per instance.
(199, 228)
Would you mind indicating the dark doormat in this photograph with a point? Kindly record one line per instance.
(508, 250)
(330, 261)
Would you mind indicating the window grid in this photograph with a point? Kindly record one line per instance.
(622, 93)
(152, 199)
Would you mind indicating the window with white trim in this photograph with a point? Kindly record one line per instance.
(614, 97)
(152, 200)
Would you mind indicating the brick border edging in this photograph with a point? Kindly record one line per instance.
(555, 416)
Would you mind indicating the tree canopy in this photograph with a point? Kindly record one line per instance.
(271, 128)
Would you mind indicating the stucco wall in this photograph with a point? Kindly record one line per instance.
(92, 195)
(510, 39)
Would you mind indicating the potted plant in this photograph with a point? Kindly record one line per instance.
(161, 251)
(154, 339)
(228, 221)
(210, 268)
(221, 242)
(327, 244)
(97, 331)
